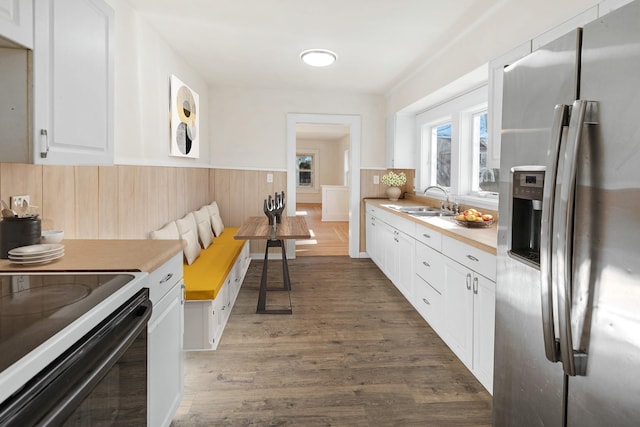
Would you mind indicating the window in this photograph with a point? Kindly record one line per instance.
(483, 177)
(440, 155)
(456, 152)
(305, 171)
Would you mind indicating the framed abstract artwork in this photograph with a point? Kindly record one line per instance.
(185, 120)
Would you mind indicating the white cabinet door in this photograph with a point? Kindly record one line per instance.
(165, 364)
(405, 254)
(16, 22)
(484, 304)
(458, 310)
(73, 82)
(389, 248)
(373, 245)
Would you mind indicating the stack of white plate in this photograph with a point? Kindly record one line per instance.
(36, 254)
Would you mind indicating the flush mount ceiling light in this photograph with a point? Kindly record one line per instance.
(318, 57)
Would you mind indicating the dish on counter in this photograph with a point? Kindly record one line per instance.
(472, 218)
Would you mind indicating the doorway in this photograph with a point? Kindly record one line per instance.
(354, 126)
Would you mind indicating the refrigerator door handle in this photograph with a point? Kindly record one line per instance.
(551, 343)
(574, 361)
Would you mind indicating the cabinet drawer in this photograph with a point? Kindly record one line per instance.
(429, 266)
(429, 304)
(429, 237)
(163, 278)
(477, 260)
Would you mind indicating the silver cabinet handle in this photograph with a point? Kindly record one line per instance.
(472, 258)
(468, 281)
(551, 345)
(426, 264)
(426, 235)
(475, 285)
(166, 278)
(426, 301)
(573, 361)
(45, 151)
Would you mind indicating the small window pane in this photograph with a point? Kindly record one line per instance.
(484, 178)
(441, 149)
(304, 173)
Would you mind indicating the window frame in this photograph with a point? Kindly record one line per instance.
(315, 167)
(460, 110)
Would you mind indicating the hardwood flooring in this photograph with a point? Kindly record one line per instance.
(353, 353)
(327, 237)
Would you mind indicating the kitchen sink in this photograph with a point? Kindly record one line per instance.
(422, 211)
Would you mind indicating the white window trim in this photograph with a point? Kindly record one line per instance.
(316, 171)
(459, 111)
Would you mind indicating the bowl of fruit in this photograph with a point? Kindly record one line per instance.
(473, 219)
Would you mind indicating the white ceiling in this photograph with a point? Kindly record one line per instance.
(256, 43)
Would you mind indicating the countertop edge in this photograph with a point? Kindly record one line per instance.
(460, 233)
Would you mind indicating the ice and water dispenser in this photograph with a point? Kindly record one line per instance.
(526, 213)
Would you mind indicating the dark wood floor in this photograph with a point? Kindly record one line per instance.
(354, 353)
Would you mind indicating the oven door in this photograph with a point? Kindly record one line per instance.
(100, 380)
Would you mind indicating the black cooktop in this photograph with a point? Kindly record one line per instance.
(33, 308)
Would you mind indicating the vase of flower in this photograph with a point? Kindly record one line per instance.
(393, 193)
(394, 181)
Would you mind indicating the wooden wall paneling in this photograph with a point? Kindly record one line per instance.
(157, 198)
(212, 186)
(58, 209)
(171, 204)
(108, 202)
(222, 190)
(87, 205)
(236, 198)
(197, 187)
(21, 179)
(133, 183)
(181, 192)
(256, 189)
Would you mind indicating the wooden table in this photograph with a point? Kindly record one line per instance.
(258, 228)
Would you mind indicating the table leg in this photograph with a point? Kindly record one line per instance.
(262, 296)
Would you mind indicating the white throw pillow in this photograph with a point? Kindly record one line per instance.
(204, 226)
(189, 234)
(168, 232)
(216, 219)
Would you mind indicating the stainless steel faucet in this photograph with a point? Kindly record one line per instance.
(443, 205)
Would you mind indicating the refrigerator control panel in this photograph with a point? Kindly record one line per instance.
(528, 185)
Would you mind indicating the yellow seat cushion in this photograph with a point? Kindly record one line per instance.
(204, 278)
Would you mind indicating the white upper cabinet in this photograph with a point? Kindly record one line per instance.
(400, 141)
(73, 82)
(16, 23)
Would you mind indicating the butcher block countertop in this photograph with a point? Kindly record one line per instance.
(485, 239)
(105, 255)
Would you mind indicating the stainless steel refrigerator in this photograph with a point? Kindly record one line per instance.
(567, 342)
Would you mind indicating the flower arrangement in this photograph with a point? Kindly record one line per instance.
(393, 179)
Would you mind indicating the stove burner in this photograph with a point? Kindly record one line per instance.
(42, 300)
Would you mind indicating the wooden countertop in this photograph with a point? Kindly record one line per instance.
(485, 239)
(257, 228)
(105, 255)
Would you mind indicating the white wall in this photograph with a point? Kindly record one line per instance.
(248, 126)
(507, 25)
(143, 66)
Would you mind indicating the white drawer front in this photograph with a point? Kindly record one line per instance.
(429, 237)
(163, 278)
(477, 260)
(429, 266)
(429, 304)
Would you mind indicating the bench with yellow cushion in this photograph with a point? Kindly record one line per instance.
(204, 278)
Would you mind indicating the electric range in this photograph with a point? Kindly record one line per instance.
(42, 315)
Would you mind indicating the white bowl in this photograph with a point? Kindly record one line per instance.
(52, 236)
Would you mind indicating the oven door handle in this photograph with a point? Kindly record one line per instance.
(55, 393)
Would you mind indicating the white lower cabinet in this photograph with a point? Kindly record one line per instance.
(451, 284)
(470, 307)
(165, 365)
